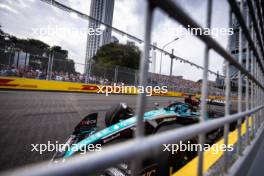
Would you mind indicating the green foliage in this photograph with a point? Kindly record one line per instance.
(39, 52)
(118, 54)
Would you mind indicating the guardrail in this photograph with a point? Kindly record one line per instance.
(142, 146)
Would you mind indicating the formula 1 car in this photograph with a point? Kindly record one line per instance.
(120, 125)
(216, 102)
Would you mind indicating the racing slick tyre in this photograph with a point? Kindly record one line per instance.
(170, 162)
(117, 113)
(163, 163)
(118, 170)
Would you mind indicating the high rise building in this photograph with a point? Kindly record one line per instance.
(153, 61)
(130, 43)
(101, 10)
(233, 47)
(114, 39)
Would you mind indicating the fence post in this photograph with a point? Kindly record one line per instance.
(135, 79)
(204, 91)
(116, 74)
(247, 81)
(50, 65)
(141, 100)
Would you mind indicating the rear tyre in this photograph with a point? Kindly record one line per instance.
(169, 162)
(117, 113)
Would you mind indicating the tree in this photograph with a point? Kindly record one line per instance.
(118, 54)
(1, 31)
(61, 61)
(38, 51)
(37, 47)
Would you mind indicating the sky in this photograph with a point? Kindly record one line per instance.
(26, 18)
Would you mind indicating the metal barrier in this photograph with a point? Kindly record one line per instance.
(142, 146)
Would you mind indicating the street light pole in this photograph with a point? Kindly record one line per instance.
(163, 49)
(171, 65)
(10, 55)
(88, 72)
(50, 65)
(10, 49)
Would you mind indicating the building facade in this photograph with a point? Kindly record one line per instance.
(20, 59)
(234, 50)
(234, 46)
(101, 10)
